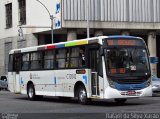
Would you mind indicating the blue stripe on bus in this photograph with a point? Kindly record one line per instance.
(126, 87)
(60, 46)
(122, 36)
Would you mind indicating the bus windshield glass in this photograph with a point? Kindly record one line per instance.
(127, 61)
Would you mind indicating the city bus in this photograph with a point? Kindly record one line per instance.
(104, 67)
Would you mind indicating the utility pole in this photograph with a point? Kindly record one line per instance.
(51, 17)
(88, 17)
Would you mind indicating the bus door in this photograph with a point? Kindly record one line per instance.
(17, 67)
(93, 61)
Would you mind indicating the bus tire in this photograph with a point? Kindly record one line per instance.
(120, 101)
(31, 92)
(82, 95)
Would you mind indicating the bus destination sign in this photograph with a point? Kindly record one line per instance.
(123, 42)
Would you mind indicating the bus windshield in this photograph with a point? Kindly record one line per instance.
(128, 61)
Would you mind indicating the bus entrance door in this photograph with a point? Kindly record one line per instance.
(93, 64)
(17, 67)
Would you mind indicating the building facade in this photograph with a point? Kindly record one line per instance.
(26, 23)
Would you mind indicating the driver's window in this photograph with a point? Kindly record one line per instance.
(112, 59)
(123, 58)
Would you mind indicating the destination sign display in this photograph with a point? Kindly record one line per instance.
(124, 42)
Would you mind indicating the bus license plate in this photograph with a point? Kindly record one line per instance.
(131, 93)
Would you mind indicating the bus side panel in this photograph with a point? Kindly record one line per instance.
(43, 82)
(14, 82)
(11, 85)
(66, 80)
(86, 80)
(55, 82)
(24, 78)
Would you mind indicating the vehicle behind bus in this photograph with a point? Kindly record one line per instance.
(105, 67)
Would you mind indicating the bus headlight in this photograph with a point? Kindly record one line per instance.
(111, 83)
(148, 82)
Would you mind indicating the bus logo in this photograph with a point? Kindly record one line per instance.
(30, 76)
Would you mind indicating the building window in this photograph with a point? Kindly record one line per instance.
(8, 15)
(22, 12)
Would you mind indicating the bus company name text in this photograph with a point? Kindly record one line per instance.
(71, 76)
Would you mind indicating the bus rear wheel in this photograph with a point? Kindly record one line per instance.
(31, 92)
(82, 95)
(120, 101)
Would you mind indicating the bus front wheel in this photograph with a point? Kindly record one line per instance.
(31, 92)
(120, 101)
(82, 95)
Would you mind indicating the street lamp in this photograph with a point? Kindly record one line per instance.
(51, 17)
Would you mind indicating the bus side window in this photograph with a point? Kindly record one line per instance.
(49, 59)
(67, 55)
(10, 64)
(74, 57)
(60, 58)
(82, 61)
(25, 61)
(36, 60)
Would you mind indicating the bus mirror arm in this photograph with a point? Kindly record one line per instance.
(101, 51)
(148, 52)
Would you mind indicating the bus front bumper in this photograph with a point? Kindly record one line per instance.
(111, 93)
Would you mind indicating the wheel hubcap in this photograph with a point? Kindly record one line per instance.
(30, 92)
(82, 95)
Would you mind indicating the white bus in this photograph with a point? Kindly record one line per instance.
(105, 67)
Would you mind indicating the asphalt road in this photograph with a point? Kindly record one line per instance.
(12, 104)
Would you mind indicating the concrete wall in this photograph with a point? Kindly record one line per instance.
(31, 41)
(11, 31)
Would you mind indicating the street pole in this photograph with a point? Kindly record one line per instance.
(88, 15)
(51, 17)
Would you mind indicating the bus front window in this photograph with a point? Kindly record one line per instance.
(126, 61)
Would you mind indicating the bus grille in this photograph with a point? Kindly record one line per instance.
(130, 81)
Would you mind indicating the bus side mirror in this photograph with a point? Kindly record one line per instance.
(148, 52)
(101, 51)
